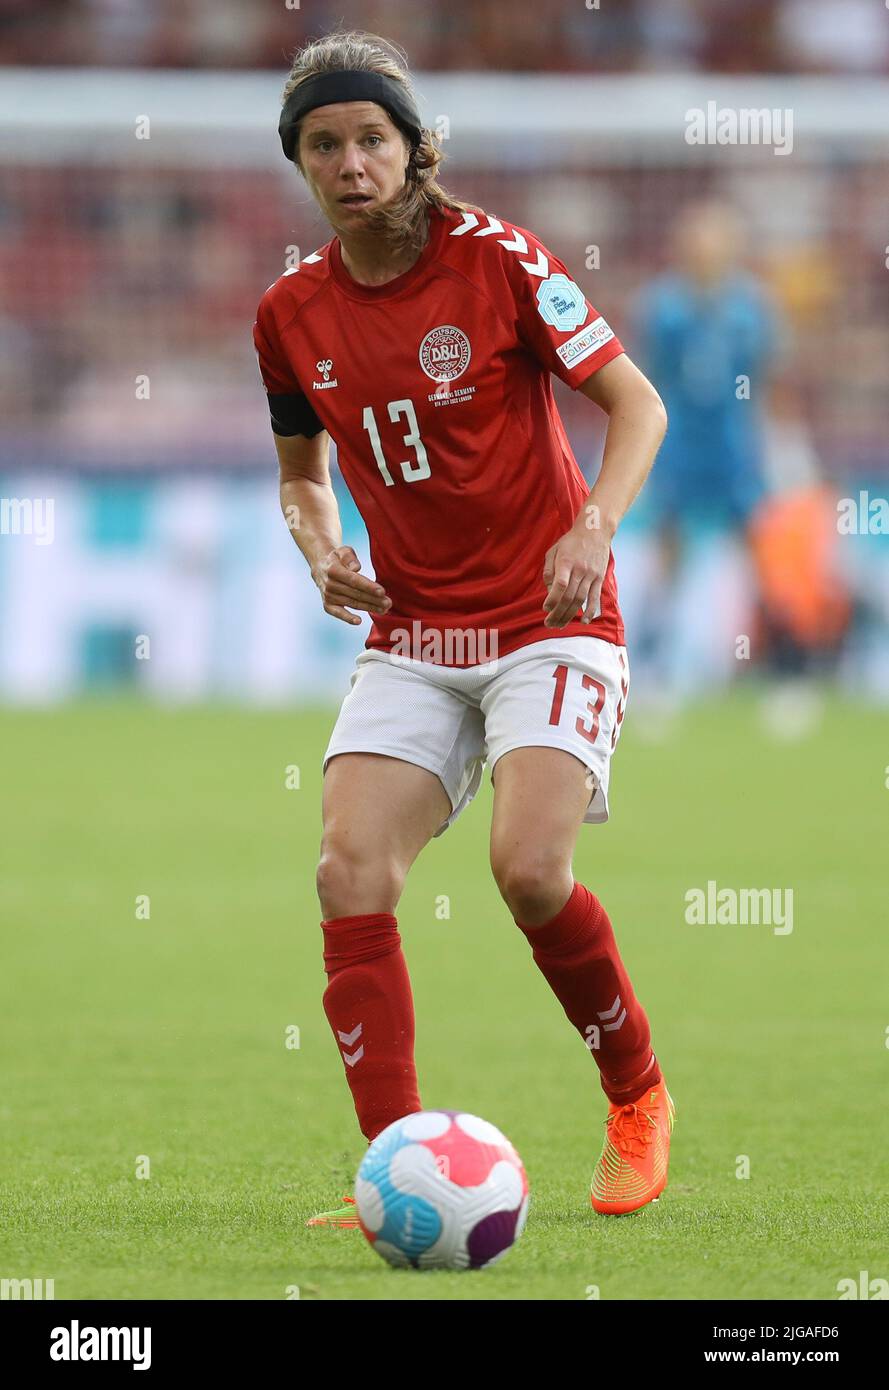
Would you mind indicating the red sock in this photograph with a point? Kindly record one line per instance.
(370, 1009)
(577, 953)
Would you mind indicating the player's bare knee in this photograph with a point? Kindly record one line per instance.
(353, 879)
(531, 883)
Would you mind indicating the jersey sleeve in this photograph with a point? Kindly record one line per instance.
(290, 410)
(554, 319)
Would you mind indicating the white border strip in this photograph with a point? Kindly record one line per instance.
(49, 114)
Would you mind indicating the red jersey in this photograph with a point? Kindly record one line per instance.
(436, 390)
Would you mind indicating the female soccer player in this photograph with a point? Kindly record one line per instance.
(421, 338)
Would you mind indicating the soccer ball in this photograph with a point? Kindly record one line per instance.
(441, 1189)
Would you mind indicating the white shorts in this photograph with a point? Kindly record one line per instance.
(564, 692)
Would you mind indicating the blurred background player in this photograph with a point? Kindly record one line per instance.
(706, 332)
(739, 560)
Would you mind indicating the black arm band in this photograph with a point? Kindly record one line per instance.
(293, 415)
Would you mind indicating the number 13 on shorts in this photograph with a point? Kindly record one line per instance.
(588, 726)
(560, 676)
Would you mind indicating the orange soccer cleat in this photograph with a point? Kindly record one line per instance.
(345, 1216)
(632, 1168)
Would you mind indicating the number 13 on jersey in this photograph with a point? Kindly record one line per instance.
(411, 471)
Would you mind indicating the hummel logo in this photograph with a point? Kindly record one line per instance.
(610, 1013)
(351, 1058)
(325, 367)
(593, 1031)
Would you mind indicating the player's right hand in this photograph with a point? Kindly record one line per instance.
(340, 584)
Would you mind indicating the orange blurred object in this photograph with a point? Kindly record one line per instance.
(793, 539)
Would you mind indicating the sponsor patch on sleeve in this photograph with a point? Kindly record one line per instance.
(560, 303)
(586, 342)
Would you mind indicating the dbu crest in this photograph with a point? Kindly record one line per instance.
(445, 353)
(561, 303)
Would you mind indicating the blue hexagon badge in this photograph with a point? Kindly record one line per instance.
(561, 303)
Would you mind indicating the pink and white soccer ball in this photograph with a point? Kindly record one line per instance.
(441, 1189)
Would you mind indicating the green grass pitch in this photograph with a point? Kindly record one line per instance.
(165, 1038)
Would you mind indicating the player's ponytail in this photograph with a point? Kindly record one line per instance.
(402, 221)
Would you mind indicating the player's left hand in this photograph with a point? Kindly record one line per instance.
(573, 571)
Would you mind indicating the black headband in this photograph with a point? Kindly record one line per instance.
(327, 87)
